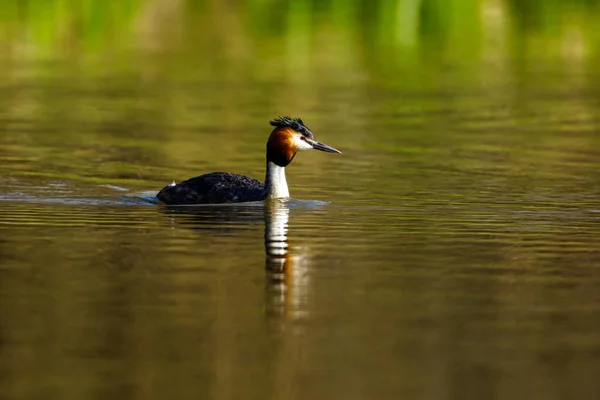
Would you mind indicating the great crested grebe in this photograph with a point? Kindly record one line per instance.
(289, 136)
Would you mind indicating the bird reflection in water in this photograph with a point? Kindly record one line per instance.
(287, 280)
(285, 266)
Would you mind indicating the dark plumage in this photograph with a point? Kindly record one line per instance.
(216, 187)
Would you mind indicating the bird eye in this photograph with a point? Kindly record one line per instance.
(302, 138)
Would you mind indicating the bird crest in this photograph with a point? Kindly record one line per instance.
(293, 123)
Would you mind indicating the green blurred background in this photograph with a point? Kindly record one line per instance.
(300, 38)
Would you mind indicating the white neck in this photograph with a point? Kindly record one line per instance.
(275, 183)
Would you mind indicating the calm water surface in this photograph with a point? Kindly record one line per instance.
(451, 252)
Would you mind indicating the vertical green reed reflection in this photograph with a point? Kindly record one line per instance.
(57, 27)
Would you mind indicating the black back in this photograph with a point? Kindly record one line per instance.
(213, 188)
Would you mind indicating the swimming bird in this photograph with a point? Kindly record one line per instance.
(289, 136)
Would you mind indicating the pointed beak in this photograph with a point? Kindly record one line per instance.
(323, 147)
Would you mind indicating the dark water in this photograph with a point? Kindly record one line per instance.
(451, 252)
